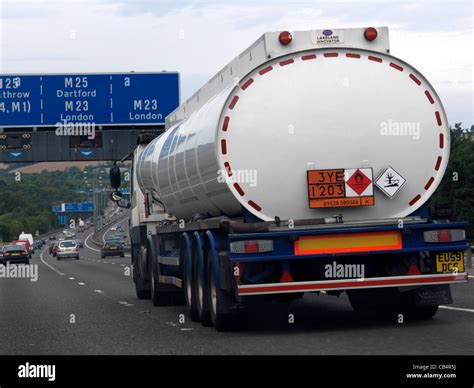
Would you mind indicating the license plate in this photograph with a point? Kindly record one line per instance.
(340, 188)
(15, 254)
(449, 262)
(113, 247)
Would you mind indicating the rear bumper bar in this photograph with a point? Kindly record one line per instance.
(345, 284)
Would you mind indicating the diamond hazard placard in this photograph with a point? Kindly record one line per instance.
(340, 188)
(390, 182)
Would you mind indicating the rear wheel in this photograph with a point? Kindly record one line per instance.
(189, 287)
(202, 305)
(220, 301)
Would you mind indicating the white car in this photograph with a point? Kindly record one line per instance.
(67, 248)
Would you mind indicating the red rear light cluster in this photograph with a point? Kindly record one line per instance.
(444, 235)
(285, 38)
(370, 34)
(251, 246)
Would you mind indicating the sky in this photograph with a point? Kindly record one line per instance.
(198, 38)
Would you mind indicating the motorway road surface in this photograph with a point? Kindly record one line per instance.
(89, 307)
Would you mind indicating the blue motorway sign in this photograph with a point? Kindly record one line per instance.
(101, 99)
(74, 207)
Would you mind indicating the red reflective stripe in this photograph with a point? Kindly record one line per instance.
(351, 55)
(239, 189)
(227, 167)
(225, 125)
(247, 84)
(395, 66)
(438, 163)
(438, 118)
(375, 59)
(430, 182)
(308, 57)
(223, 147)
(416, 80)
(266, 70)
(254, 205)
(414, 200)
(331, 55)
(428, 96)
(441, 140)
(287, 62)
(233, 102)
(327, 285)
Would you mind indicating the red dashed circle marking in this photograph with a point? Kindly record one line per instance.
(225, 124)
(375, 59)
(287, 62)
(331, 55)
(428, 96)
(415, 80)
(247, 84)
(233, 102)
(352, 55)
(429, 183)
(414, 200)
(438, 118)
(223, 147)
(266, 70)
(308, 57)
(441, 140)
(227, 168)
(395, 66)
(255, 206)
(239, 189)
(438, 163)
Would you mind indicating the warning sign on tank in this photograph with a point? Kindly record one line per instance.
(340, 188)
(390, 182)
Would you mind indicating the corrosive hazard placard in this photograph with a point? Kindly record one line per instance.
(340, 188)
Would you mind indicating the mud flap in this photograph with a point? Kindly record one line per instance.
(433, 295)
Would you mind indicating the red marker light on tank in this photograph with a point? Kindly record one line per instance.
(370, 34)
(285, 38)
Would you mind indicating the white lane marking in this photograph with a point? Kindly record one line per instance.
(81, 284)
(72, 278)
(49, 265)
(112, 263)
(99, 291)
(470, 276)
(186, 329)
(87, 245)
(122, 265)
(124, 303)
(456, 308)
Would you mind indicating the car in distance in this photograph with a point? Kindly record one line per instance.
(114, 228)
(67, 248)
(15, 253)
(112, 248)
(26, 244)
(52, 237)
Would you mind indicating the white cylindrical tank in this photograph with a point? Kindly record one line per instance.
(326, 109)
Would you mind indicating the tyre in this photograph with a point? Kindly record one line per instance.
(219, 301)
(77, 257)
(421, 313)
(161, 294)
(189, 287)
(142, 287)
(200, 286)
(58, 258)
(122, 255)
(102, 256)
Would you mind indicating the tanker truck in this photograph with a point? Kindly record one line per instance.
(305, 165)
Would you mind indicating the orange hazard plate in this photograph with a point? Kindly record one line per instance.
(327, 189)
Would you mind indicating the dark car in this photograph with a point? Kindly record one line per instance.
(15, 253)
(112, 248)
(52, 237)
